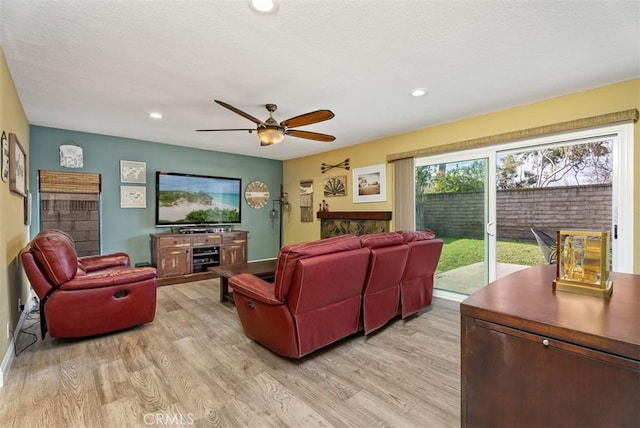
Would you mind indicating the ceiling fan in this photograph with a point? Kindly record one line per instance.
(271, 132)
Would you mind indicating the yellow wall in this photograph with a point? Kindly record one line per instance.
(13, 232)
(607, 99)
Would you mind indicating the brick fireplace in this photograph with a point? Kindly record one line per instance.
(353, 222)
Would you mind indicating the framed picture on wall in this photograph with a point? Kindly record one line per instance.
(370, 184)
(27, 209)
(133, 172)
(17, 166)
(306, 201)
(133, 197)
(5, 157)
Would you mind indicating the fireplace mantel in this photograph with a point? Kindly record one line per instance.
(354, 215)
(333, 223)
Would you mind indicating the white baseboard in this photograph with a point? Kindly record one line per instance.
(6, 363)
(9, 355)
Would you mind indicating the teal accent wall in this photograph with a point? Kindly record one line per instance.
(128, 229)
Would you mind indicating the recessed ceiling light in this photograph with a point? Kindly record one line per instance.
(155, 115)
(263, 6)
(418, 92)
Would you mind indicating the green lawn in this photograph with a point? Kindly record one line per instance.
(459, 252)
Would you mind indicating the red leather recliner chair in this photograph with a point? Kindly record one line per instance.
(89, 295)
(416, 285)
(381, 293)
(314, 301)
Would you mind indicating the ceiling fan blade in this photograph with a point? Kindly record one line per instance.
(241, 113)
(310, 135)
(232, 129)
(307, 119)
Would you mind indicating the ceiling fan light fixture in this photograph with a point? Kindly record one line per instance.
(263, 6)
(269, 136)
(271, 132)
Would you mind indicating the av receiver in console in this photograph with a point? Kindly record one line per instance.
(216, 229)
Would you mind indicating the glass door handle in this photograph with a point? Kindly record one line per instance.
(491, 229)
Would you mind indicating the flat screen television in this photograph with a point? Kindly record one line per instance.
(189, 200)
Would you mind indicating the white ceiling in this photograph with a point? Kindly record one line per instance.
(101, 66)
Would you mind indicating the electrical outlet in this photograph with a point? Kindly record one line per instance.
(8, 330)
(20, 307)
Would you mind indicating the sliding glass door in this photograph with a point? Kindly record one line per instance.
(545, 188)
(491, 205)
(452, 200)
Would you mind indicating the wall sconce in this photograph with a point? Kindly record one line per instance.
(284, 204)
(285, 207)
(284, 200)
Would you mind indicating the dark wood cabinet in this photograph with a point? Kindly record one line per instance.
(171, 254)
(234, 249)
(173, 261)
(186, 257)
(534, 357)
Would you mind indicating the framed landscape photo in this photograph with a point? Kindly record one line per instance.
(370, 184)
(17, 166)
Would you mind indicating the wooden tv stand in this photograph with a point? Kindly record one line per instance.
(534, 357)
(184, 257)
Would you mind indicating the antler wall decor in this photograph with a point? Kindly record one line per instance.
(344, 164)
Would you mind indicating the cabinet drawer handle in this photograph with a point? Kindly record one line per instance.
(545, 342)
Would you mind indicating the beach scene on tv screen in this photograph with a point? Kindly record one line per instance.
(198, 200)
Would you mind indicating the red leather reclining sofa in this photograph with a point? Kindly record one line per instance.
(328, 289)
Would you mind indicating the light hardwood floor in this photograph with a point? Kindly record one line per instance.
(193, 366)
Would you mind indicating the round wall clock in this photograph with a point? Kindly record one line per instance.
(257, 194)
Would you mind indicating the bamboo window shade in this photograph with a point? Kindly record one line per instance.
(572, 125)
(68, 182)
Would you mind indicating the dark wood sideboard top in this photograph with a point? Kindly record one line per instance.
(526, 300)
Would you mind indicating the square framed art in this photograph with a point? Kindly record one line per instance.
(133, 172)
(133, 197)
(370, 184)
